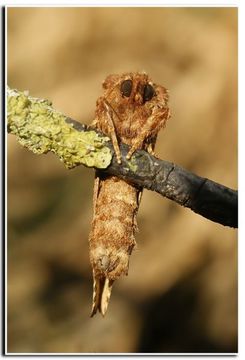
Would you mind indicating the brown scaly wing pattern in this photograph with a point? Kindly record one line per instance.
(131, 110)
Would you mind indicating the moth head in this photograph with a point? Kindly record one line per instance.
(137, 89)
(131, 88)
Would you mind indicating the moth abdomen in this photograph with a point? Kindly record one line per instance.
(113, 229)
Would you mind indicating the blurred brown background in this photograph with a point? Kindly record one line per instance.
(181, 292)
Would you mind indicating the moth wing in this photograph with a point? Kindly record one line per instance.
(97, 291)
(101, 294)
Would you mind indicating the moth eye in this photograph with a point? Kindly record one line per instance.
(148, 93)
(126, 87)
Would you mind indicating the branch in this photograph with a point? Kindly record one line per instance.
(40, 128)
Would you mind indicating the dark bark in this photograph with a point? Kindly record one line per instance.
(205, 197)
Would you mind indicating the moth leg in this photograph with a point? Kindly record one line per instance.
(153, 124)
(112, 131)
(95, 193)
(139, 196)
(150, 145)
(94, 123)
(111, 128)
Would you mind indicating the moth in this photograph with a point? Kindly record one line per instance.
(131, 110)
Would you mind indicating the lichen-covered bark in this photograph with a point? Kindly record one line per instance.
(207, 198)
(40, 128)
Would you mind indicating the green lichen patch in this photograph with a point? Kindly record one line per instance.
(41, 129)
(132, 164)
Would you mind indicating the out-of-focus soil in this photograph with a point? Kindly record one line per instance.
(181, 292)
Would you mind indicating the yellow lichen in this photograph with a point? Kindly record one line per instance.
(132, 164)
(40, 128)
